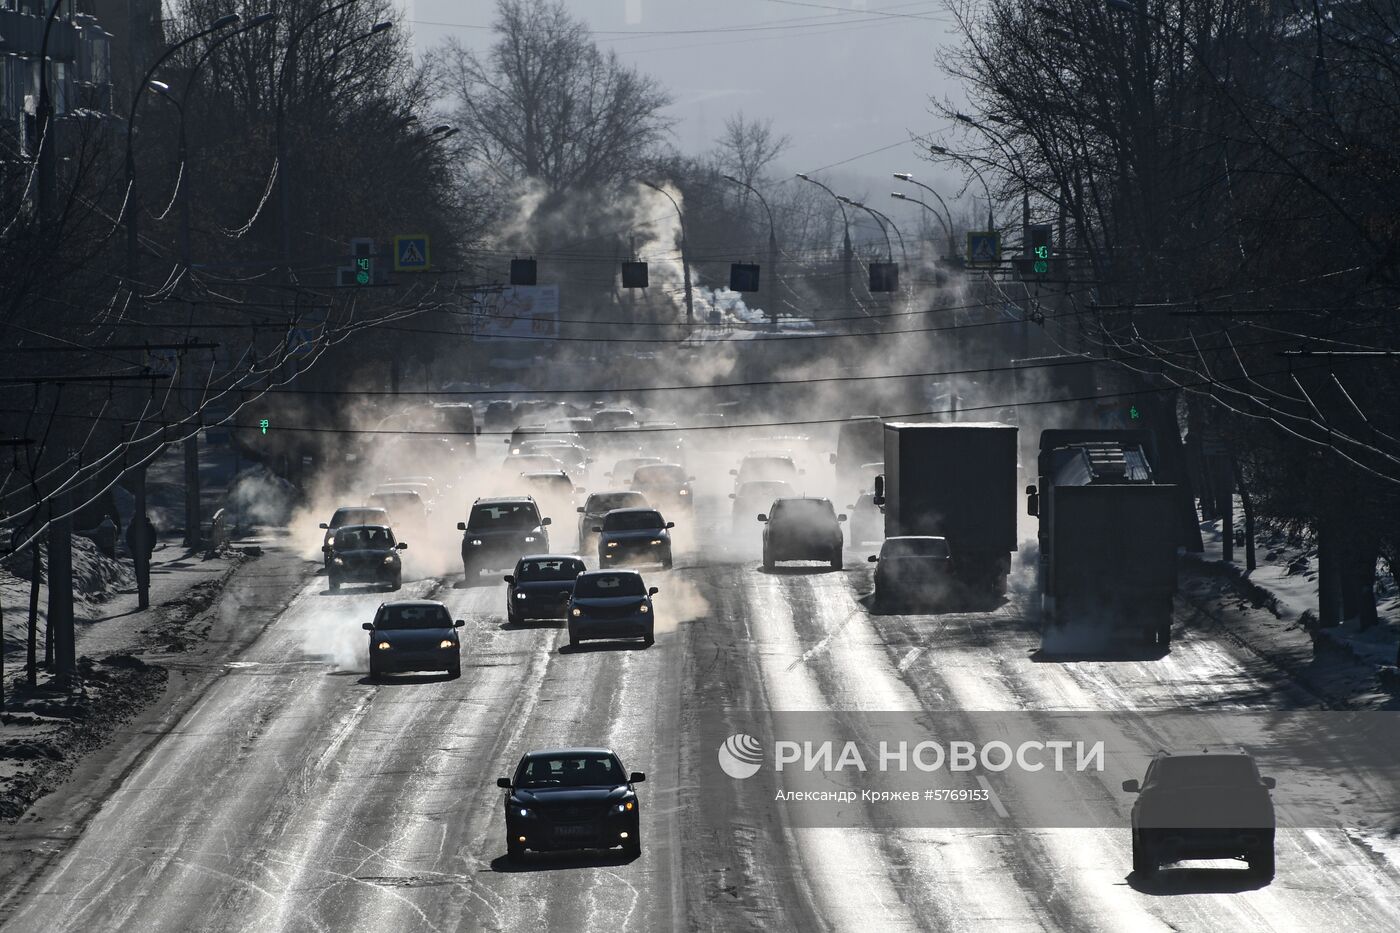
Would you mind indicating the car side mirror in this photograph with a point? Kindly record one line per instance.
(762, 517)
(732, 496)
(546, 521)
(841, 517)
(367, 626)
(324, 525)
(831, 458)
(1269, 782)
(1032, 502)
(503, 783)
(510, 578)
(733, 472)
(579, 510)
(879, 488)
(461, 526)
(459, 623)
(1132, 786)
(670, 524)
(653, 591)
(402, 546)
(637, 777)
(873, 558)
(597, 529)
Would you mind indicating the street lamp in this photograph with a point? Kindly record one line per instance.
(959, 157)
(132, 209)
(685, 255)
(846, 243)
(945, 219)
(772, 290)
(889, 247)
(284, 173)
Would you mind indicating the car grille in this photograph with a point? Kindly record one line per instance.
(573, 814)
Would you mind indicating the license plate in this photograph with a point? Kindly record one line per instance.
(572, 830)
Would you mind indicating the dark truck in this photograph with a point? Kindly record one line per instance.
(1107, 535)
(955, 481)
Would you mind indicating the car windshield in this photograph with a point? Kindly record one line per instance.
(803, 510)
(562, 568)
(399, 501)
(571, 769)
(604, 585)
(605, 502)
(632, 521)
(661, 473)
(550, 481)
(503, 516)
(358, 517)
(363, 538)
(760, 468)
(765, 491)
(914, 547)
(1204, 771)
(531, 463)
(411, 616)
(625, 468)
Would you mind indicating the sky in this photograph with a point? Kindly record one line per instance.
(840, 77)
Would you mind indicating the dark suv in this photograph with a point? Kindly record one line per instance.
(638, 535)
(364, 554)
(802, 529)
(499, 532)
(1202, 805)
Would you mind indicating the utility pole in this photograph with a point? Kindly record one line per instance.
(685, 252)
(770, 291)
(60, 549)
(13, 442)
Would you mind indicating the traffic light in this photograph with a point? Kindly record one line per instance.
(1039, 239)
(522, 272)
(743, 277)
(365, 267)
(634, 275)
(884, 276)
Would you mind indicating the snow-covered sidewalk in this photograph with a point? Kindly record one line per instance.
(1284, 583)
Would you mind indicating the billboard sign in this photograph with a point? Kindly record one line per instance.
(516, 312)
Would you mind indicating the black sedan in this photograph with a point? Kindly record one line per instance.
(638, 535)
(571, 798)
(611, 604)
(541, 586)
(414, 635)
(364, 554)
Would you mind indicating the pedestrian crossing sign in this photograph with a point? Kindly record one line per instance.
(411, 252)
(983, 248)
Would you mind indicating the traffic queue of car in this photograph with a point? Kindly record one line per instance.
(583, 798)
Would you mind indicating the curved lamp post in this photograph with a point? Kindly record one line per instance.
(846, 253)
(772, 296)
(685, 254)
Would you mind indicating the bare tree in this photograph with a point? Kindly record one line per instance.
(747, 147)
(545, 103)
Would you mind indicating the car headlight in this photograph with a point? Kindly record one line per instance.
(655, 541)
(447, 643)
(626, 807)
(685, 492)
(384, 646)
(329, 539)
(529, 539)
(576, 613)
(643, 609)
(391, 559)
(339, 562)
(612, 544)
(476, 542)
(525, 812)
(521, 596)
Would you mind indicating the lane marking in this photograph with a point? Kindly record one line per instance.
(996, 801)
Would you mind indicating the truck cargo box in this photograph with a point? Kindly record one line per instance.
(1110, 542)
(953, 480)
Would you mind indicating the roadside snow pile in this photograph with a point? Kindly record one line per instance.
(1287, 571)
(96, 577)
